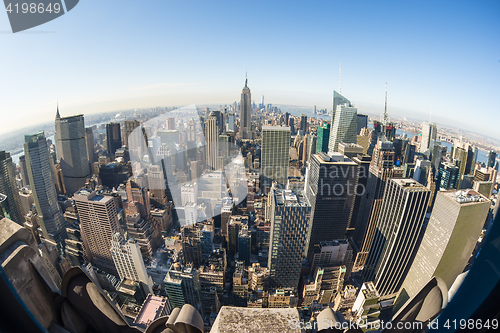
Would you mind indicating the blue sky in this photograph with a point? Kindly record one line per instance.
(440, 58)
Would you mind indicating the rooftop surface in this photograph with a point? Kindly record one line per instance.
(151, 309)
(465, 196)
(245, 320)
(275, 128)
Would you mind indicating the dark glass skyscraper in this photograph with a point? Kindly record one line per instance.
(323, 138)
(362, 122)
(303, 123)
(330, 187)
(491, 159)
(113, 137)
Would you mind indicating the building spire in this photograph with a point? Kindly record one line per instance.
(385, 109)
(340, 78)
(246, 79)
(57, 113)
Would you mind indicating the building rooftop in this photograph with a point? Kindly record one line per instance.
(410, 184)
(333, 158)
(90, 195)
(152, 308)
(236, 319)
(465, 196)
(275, 128)
(290, 198)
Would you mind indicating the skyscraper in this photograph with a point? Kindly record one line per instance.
(275, 154)
(450, 237)
(303, 123)
(49, 214)
(89, 138)
(212, 141)
(448, 176)
(400, 221)
(24, 170)
(491, 159)
(98, 222)
(8, 187)
(460, 155)
(71, 151)
(113, 137)
(429, 132)
(246, 113)
(129, 126)
(338, 99)
(362, 122)
(323, 138)
(230, 122)
(129, 262)
(381, 169)
(290, 230)
(344, 126)
(331, 190)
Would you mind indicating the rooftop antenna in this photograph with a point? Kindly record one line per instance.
(385, 109)
(57, 112)
(340, 78)
(246, 79)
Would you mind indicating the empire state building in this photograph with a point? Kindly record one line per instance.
(246, 113)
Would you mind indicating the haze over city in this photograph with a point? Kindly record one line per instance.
(440, 60)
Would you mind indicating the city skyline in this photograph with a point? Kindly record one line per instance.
(164, 183)
(416, 49)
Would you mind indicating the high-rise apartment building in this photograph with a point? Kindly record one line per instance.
(330, 188)
(246, 113)
(429, 132)
(212, 141)
(344, 126)
(128, 127)
(275, 154)
(113, 138)
(98, 223)
(128, 261)
(71, 151)
(449, 240)
(290, 230)
(8, 187)
(49, 214)
(323, 138)
(400, 221)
